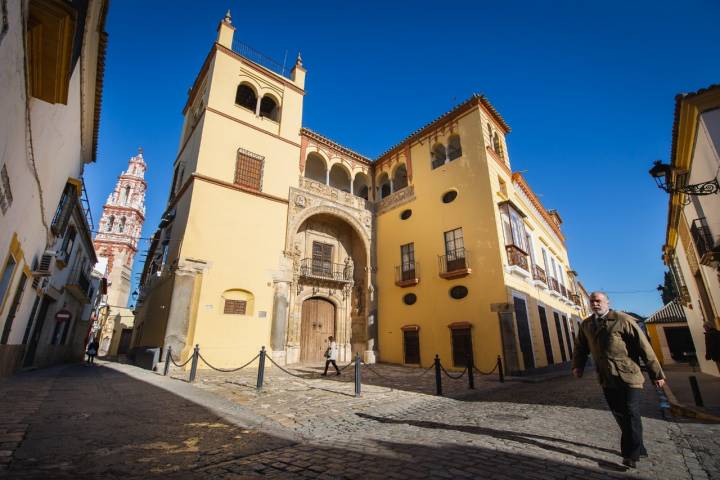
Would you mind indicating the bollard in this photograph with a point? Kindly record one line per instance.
(501, 373)
(696, 391)
(357, 374)
(471, 367)
(168, 357)
(261, 369)
(193, 365)
(438, 377)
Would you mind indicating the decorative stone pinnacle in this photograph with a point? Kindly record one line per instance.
(140, 151)
(298, 61)
(228, 18)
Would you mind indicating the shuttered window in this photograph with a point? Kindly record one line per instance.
(235, 307)
(249, 169)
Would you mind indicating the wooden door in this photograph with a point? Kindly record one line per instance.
(125, 337)
(523, 326)
(318, 323)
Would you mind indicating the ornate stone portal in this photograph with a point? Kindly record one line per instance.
(327, 255)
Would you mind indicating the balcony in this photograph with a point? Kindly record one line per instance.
(454, 264)
(319, 270)
(395, 199)
(331, 193)
(539, 277)
(407, 274)
(79, 285)
(576, 299)
(708, 252)
(517, 261)
(554, 287)
(563, 291)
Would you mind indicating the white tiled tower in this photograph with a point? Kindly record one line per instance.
(122, 219)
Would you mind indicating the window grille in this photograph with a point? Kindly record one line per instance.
(235, 307)
(249, 169)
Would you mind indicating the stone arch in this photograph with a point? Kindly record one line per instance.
(340, 177)
(316, 166)
(384, 188)
(297, 221)
(361, 185)
(399, 177)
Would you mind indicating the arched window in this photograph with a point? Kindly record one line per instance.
(246, 97)
(269, 108)
(400, 179)
(315, 168)
(121, 227)
(360, 186)
(339, 178)
(454, 149)
(438, 155)
(127, 194)
(384, 186)
(496, 144)
(238, 302)
(111, 223)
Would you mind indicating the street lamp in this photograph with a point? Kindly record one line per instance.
(665, 176)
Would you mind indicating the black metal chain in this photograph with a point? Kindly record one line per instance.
(227, 370)
(281, 368)
(454, 377)
(373, 370)
(484, 373)
(181, 364)
(424, 371)
(342, 369)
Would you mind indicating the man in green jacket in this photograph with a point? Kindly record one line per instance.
(616, 344)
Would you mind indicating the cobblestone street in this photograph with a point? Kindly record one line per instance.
(117, 421)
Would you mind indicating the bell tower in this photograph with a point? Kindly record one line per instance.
(122, 219)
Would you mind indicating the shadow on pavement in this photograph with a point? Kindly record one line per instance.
(98, 422)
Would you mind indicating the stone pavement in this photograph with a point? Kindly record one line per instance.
(116, 421)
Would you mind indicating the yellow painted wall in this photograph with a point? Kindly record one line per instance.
(435, 309)
(241, 237)
(655, 341)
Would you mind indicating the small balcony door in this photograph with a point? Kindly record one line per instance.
(455, 250)
(322, 259)
(407, 258)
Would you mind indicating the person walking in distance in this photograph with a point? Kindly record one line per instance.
(92, 351)
(616, 344)
(331, 355)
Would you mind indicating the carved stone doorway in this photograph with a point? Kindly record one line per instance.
(318, 323)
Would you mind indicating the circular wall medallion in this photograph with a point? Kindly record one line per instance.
(458, 292)
(406, 214)
(409, 299)
(449, 196)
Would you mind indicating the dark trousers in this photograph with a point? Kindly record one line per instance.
(624, 402)
(327, 364)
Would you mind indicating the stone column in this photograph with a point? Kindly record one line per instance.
(278, 331)
(178, 323)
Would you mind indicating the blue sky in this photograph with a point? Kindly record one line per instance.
(588, 89)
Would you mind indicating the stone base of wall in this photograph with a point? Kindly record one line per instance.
(10, 359)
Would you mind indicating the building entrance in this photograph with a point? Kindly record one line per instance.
(318, 323)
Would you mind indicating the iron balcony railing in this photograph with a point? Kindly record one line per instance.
(576, 299)
(554, 285)
(563, 291)
(702, 237)
(314, 268)
(407, 274)
(517, 257)
(454, 261)
(253, 55)
(80, 285)
(539, 274)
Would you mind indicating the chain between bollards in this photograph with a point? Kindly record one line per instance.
(168, 357)
(193, 365)
(261, 369)
(501, 373)
(358, 363)
(438, 377)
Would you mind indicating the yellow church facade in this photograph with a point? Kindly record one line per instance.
(276, 236)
